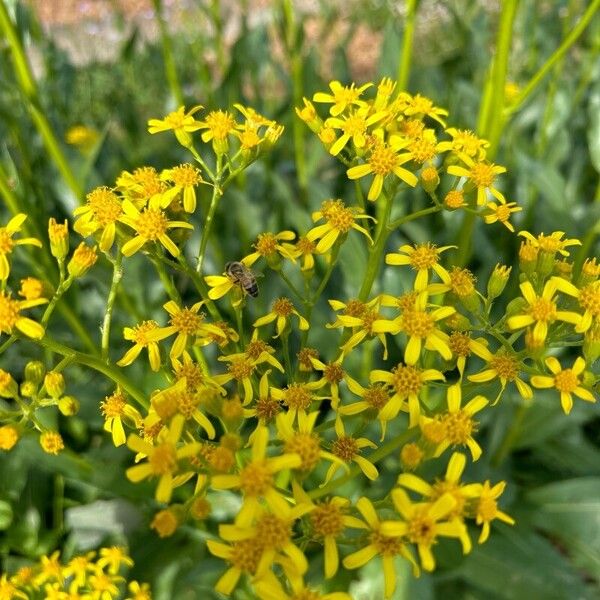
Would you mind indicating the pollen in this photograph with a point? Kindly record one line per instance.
(304, 357)
(187, 321)
(424, 256)
(503, 212)
(297, 396)
(487, 509)
(256, 347)
(104, 205)
(151, 223)
(505, 366)
(267, 408)
(307, 446)
(141, 331)
(454, 199)
(175, 120)
(345, 448)
(355, 308)
(566, 381)
(150, 181)
(383, 159)
(163, 459)
(423, 150)
(417, 323)
(6, 242)
(245, 554)
(589, 298)
(282, 307)
(412, 128)
(194, 377)
(411, 455)
(482, 174)
(51, 442)
(407, 379)
(421, 529)
(462, 282)
(255, 479)
(266, 244)
(333, 373)
(327, 519)
(406, 302)
(220, 123)
(354, 125)
(376, 396)
(241, 368)
(386, 546)
(459, 427)
(305, 246)
(113, 405)
(435, 431)
(543, 310)
(273, 532)
(185, 175)
(458, 343)
(338, 215)
(9, 313)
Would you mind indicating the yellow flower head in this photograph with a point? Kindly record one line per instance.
(7, 243)
(180, 122)
(11, 319)
(101, 211)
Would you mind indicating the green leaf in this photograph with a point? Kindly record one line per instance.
(593, 130)
(6, 515)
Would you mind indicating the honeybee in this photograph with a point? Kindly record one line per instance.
(241, 275)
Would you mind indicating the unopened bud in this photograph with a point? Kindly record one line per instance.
(498, 280)
(59, 238)
(68, 406)
(430, 179)
(35, 371)
(83, 259)
(8, 386)
(54, 382)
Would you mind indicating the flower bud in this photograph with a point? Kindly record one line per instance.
(454, 199)
(68, 406)
(9, 436)
(309, 115)
(8, 386)
(82, 261)
(35, 371)
(591, 343)
(528, 255)
(498, 280)
(411, 456)
(54, 383)
(28, 389)
(590, 271)
(51, 442)
(200, 508)
(430, 179)
(59, 238)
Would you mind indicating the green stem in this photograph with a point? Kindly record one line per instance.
(569, 40)
(112, 294)
(214, 201)
(407, 44)
(167, 52)
(28, 87)
(63, 286)
(97, 364)
(374, 457)
(291, 286)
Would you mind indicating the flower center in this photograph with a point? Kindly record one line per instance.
(282, 307)
(424, 256)
(355, 308)
(6, 242)
(266, 244)
(386, 546)
(383, 159)
(326, 519)
(376, 396)
(421, 529)
(333, 373)
(307, 446)
(589, 298)
(185, 175)
(454, 199)
(566, 381)
(105, 205)
(256, 347)
(505, 366)
(113, 405)
(459, 343)
(245, 554)
(482, 175)
(148, 178)
(163, 459)
(435, 431)
(338, 215)
(187, 321)
(297, 396)
(407, 380)
(459, 427)
(141, 331)
(305, 246)
(354, 125)
(422, 150)
(220, 123)
(487, 509)
(267, 408)
(9, 313)
(543, 309)
(241, 368)
(345, 448)
(411, 455)
(273, 532)
(462, 282)
(255, 479)
(175, 120)
(151, 224)
(417, 323)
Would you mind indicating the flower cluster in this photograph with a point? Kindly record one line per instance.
(90, 575)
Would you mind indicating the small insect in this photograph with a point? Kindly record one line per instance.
(241, 275)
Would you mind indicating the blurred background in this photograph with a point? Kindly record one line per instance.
(102, 68)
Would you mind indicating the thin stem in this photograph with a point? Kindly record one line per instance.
(214, 201)
(112, 294)
(569, 40)
(407, 44)
(97, 364)
(291, 286)
(63, 286)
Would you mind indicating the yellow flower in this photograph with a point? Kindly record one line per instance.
(8, 591)
(165, 523)
(9, 436)
(501, 213)
(423, 522)
(163, 459)
(180, 122)
(184, 178)
(341, 96)
(7, 243)
(139, 591)
(374, 398)
(268, 246)
(420, 106)
(407, 381)
(420, 328)
(51, 442)
(354, 127)
(457, 423)
(550, 244)
(281, 310)
(31, 288)
(480, 174)
(101, 211)
(114, 409)
(487, 508)
(145, 335)
(379, 543)
(465, 142)
(112, 558)
(340, 219)
(383, 160)
(151, 225)
(542, 309)
(296, 397)
(143, 186)
(589, 301)
(11, 319)
(333, 374)
(566, 381)
(218, 125)
(272, 590)
(462, 346)
(305, 249)
(256, 479)
(81, 136)
(103, 586)
(58, 234)
(422, 258)
(83, 259)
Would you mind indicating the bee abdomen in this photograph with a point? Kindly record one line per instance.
(252, 289)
